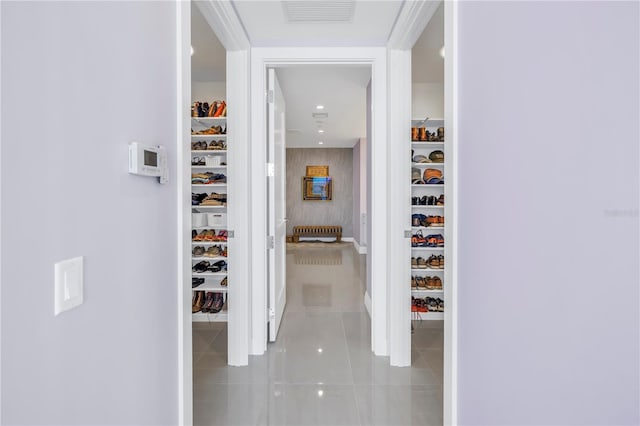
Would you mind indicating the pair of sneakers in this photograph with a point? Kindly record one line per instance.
(431, 240)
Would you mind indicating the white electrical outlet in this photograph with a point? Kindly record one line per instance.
(68, 284)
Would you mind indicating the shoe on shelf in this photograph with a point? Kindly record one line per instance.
(414, 263)
(422, 264)
(197, 302)
(212, 110)
(224, 282)
(218, 303)
(198, 251)
(196, 281)
(437, 283)
(208, 303)
(201, 266)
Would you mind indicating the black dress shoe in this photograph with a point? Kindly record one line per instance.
(201, 266)
(196, 281)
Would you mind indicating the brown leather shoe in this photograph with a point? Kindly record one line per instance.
(198, 300)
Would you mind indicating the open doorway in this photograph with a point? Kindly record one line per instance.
(322, 186)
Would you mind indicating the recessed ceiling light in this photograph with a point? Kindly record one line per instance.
(320, 143)
(442, 51)
(320, 393)
(320, 131)
(319, 106)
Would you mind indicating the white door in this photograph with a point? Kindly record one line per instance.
(277, 225)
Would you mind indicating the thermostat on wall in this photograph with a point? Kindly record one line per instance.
(148, 161)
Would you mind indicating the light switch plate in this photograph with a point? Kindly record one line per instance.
(68, 284)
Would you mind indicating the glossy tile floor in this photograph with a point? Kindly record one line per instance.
(320, 371)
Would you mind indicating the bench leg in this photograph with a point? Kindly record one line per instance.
(338, 237)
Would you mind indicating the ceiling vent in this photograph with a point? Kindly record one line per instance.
(320, 115)
(318, 11)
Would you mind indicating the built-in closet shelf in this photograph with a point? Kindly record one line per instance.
(428, 315)
(427, 164)
(428, 185)
(216, 288)
(208, 208)
(209, 274)
(209, 151)
(416, 144)
(208, 185)
(202, 228)
(221, 316)
(425, 292)
(429, 122)
(208, 243)
(208, 167)
(427, 228)
(212, 136)
(428, 248)
(209, 119)
(209, 259)
(427, 207)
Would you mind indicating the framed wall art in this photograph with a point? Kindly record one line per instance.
(316, 188)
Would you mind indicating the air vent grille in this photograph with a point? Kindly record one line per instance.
(318, 11)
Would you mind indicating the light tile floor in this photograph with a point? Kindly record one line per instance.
(320, 371)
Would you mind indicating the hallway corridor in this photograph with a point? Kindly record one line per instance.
(321, 370)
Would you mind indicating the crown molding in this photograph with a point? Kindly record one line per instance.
(225, 23)
(411, 22)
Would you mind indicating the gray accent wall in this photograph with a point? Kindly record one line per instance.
(339, 211)
(548, 278)
(80, 80)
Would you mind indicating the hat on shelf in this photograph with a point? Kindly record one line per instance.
(416, 176)
(421, 159)
(433, 176)
(436, 156)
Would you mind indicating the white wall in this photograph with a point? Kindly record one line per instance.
(80, 80)
(208, 91)
(548, 201)
(427, 100)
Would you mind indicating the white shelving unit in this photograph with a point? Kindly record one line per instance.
(212, 279)
(420, 190)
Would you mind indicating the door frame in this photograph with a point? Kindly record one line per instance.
(411, 22)
(228, 29)
(245, 90)
(376, 58)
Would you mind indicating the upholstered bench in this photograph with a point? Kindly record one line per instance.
(317, 231)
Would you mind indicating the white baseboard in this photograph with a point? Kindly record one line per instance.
(360, 249)
(367, 303)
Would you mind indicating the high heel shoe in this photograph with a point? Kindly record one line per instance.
(222, 109)
(212, 109)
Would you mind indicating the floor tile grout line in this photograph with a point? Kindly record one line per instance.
(353, 387)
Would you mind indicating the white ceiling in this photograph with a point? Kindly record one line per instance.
(266, 24)
(342, 89)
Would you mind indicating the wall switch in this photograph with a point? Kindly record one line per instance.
(68, 284)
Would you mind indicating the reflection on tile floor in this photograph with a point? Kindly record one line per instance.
(321, 370)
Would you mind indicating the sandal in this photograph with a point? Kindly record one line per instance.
(224, 282)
